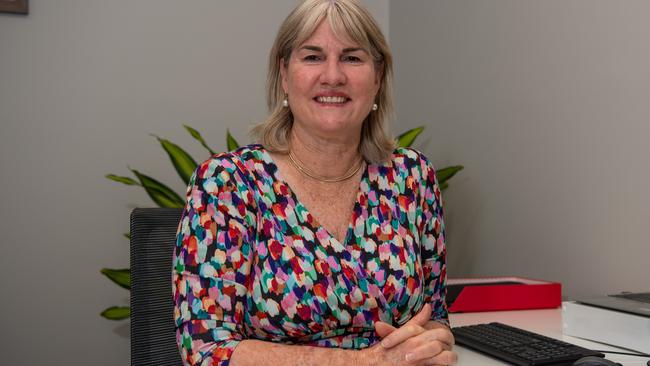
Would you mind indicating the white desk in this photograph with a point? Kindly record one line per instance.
(547, 322)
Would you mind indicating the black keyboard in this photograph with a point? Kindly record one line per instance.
(518, 346)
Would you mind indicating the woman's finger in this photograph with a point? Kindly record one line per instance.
(443, 335)
(419, 320)
(428, 344)
(443, 358)
(411, 328)
(422, 317)
(401, 334)
(426, 351)
(383, 329)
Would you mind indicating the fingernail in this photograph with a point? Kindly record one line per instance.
(409, 356)
(385, 344)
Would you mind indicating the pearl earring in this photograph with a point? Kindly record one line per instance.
(285, 102)
(375, 107)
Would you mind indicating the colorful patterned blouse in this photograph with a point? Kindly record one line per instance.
(251, 262)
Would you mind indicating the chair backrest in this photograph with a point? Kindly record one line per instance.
(153, 336)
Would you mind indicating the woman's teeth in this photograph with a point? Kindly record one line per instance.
(331, 99)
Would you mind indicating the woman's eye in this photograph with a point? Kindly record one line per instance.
(351, 58)
(312, 58)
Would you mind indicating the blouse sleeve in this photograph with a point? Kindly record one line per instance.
(433, 249)
(212, 263)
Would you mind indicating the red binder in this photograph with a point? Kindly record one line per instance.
(501, 293)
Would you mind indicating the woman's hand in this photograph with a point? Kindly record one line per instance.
(412, 343)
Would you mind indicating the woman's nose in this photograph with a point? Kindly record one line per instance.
(333, 74)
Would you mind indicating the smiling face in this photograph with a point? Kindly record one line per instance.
(331, 84)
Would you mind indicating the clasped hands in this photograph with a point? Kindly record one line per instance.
(413, 343)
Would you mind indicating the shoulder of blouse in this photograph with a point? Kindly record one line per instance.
(229, 172)
(230, 161)
(409, 158)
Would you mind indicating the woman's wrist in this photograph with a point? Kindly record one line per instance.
(368, 356)
(361, 357)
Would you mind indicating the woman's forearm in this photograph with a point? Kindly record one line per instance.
(255, 352)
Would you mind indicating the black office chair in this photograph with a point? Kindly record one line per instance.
(153, 336)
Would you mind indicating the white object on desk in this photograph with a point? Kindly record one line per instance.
(547, 322)
(607, 326)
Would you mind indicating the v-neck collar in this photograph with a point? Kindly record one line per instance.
(350, 273)
(318, 226)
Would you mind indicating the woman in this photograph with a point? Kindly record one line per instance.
(323, 244)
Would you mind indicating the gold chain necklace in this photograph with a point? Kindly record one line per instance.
(304, 170)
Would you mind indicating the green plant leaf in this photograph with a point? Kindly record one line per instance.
(199, 138)
(445, 174)
(182, 161)
(407, 138)
(444, 186)
(127, 235)
(117, 313)
(122, 277)
(231, 142)
(120, 179)
(162, 195)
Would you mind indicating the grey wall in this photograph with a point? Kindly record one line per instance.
(82, 84)
(547, 104)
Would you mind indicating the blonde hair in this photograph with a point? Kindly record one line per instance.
(347, 17)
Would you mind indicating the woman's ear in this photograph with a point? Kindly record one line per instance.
(283, 75)
(379, 72)
(379, 77)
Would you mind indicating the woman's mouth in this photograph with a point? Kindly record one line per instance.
(331, 100)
